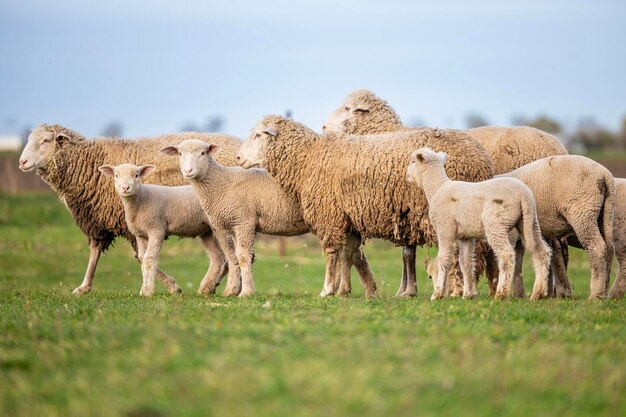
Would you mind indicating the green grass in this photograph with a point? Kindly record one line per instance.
(283, 351)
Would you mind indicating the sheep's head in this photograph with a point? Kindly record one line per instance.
(432, 268)
(194, 157)
(362, 112)
(40, 148)
(420, 160)
(252, 151)
(127, 177)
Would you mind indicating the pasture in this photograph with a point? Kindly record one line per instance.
(284, 351)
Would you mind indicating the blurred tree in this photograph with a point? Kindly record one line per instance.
(475, 120)
(288, 114)
(189, 127)
(541, 122)
(592, 136)
(215, 124)
(416, 121)
(621, 135)
(114, 130)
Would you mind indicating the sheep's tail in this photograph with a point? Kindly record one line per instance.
(606, 226)
(530, 224)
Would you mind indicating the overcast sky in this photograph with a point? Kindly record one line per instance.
(156, 65)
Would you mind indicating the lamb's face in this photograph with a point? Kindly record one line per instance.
(352, 109)
(39, 149)
(252, 152)
(127, 177)
(194, 157)
(421, 160)
(432, 268)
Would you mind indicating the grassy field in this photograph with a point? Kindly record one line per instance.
(283, 351)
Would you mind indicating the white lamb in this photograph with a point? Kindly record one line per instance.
(153, 212)
(499, 210)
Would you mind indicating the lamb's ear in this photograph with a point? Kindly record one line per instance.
(106, 170)
(146, 170)
(419, 157)
(271, 131)
(169, 150)
(361, 108)
(61, 137)
(213, 148)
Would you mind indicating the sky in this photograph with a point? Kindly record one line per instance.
(155, 66)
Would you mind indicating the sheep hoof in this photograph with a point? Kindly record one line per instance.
(246, 293)
(596, 297)
(146, 292)
(344, 292)
(80, 291)
(500, 296)
(371, 296)
(436, 296)
(325, 293)
(469, 296)
(175, 290)
(229, 292)
(407, 294)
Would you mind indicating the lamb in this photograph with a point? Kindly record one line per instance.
(69, 164)
(362, 112)
(498, 210)
(153, 212)
(619, 238)
(356, 184)
(238, 203)
(575, 196)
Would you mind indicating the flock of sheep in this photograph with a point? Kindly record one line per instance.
(483, 196)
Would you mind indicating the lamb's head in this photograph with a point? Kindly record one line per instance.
(362, 112)
(194, 157)
(432, 268)
(421, 160)
(42, 144)
(127, 177)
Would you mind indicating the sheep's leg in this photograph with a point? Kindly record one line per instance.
(168, 281)
(491, 271)
(563, 287)
(518, 278)
(590, 238)
(408, 260)
(445, 257)
(405, 273)
(542, 260)
(94, 255)
(233, 284)
(345, 263)
(332, 257)
(149, 262)
(365, 273)
(466, 258)
(619, 286)
(218, 265)
(500, 242)
(244, 249)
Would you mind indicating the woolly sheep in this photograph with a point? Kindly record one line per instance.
(69, 164)
(362, 112)
(353, 184)
(619, 238)
(575, 195)
(499, 210)
(238, 203)
(153, 212)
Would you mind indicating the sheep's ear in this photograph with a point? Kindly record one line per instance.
(169, 150)
(213, 148)
(61, 137)
(146, 170)
(106, 170)
(419, 157)
(361, 108)
(271, 131)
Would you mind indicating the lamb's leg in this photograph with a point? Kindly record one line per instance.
(563, 287)
(619, 286)
(405, 273)
(168, 281)
(590, 238)
(492, 271)
(466, 263)
(217, 267)
(332, 257)
(445, 257)
(233, 284)
(518, 278)
(542, 259)
(94, 255)
(149, 262)
(244, 249)
(500, 242)
(365, 273)
(408, 258)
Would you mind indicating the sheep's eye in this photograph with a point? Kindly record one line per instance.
(136, 175)
(115, 175)
(258, 135)
(180, 154)
(202, 153)
(346, 108)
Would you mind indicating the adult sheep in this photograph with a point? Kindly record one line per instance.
(362, 112)
(353, 184)
(619, 238)
(69, 163)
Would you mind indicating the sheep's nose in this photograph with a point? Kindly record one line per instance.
(125, 188)
(188, 171)
(238, 158)
(23, 161)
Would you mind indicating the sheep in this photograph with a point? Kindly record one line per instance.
(619, 238)
(499, 210)
(575, 195)
(69, 164)
(362, 112)
(355, 184)
(238, 203)
(153, 212)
